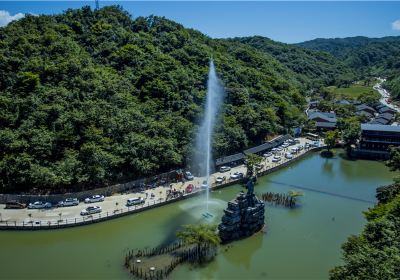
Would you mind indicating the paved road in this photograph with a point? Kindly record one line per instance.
(385, 95)
(117, 202)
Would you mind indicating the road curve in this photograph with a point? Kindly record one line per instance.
(385, 95)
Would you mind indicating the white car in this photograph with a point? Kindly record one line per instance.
(39, 205)
(188, 176)
(69, 202)
(288, 156)
(94, 198)
(267, 155)
(276, 159)
(91, 210)
(135, 201)
(237, 175)
(220, 179)
(294, 150)
(224, 169)
(204, 185)
(279, 149)
(259, 166)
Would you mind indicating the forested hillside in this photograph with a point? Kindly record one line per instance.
(312, 68)
(366, 56)
(89, 98)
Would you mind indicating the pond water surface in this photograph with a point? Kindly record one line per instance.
(302, 243)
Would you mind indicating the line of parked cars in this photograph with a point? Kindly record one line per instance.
(65, 203)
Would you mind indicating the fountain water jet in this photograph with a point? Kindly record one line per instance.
(203, 152)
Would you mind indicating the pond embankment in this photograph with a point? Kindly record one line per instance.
(114, 206)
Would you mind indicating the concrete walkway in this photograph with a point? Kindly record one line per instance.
(115, 205)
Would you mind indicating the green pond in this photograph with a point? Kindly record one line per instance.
(302, 243)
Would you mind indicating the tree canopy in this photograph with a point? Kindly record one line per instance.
(199, 235)
(331, 138)
(95, 97)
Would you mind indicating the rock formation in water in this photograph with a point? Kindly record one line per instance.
(243, 217)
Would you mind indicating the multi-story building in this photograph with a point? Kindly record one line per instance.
(376, 140)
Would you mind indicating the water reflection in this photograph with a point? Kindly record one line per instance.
(240, 257)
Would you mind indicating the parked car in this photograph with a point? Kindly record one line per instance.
(204, 185)
(94, 198)
(189, 188)
(135, 201)
(69, 202)
(188, 176)
(279, 149)
(274, 150)
(15, 205)
(39, 205)
(267, 155)
(259, 166)
(224, 169)
(288, 156)
(237, 175)
(276, 159)
(220, 179)
(91, 210)
(297, 141)
(295, 150)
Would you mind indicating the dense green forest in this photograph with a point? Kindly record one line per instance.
(366, 56)
(95, 97)
(313, 68)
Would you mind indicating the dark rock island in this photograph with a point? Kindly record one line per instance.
(243, 217)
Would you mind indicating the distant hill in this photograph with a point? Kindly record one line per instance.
(312, 68)
(366, 56)
(339, 46)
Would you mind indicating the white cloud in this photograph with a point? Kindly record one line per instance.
(396, 25)
(6, 18)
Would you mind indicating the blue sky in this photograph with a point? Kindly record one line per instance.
(288, 22)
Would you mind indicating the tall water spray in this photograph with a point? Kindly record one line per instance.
(203, 152)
